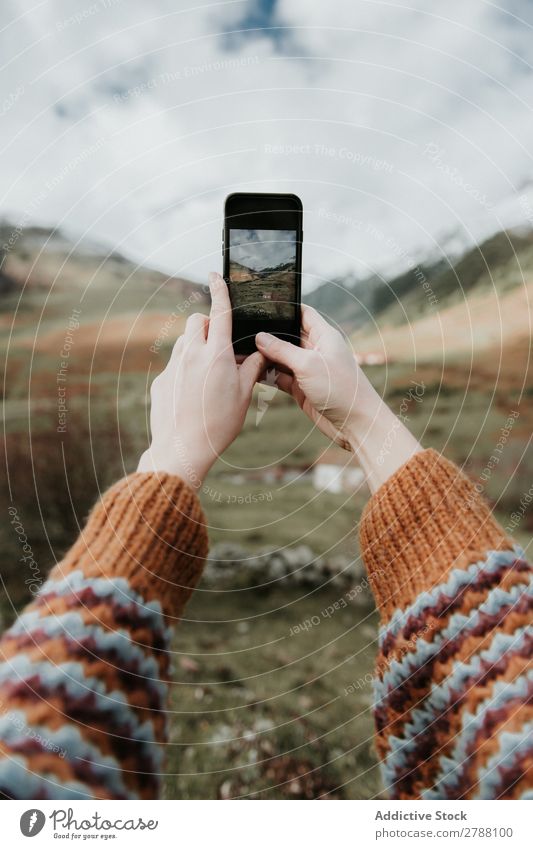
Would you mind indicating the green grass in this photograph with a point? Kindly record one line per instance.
(289, 513)
(283, 435)
(262, 706)
(295, 514)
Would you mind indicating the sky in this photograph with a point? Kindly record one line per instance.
(405, 127)
(259, 249)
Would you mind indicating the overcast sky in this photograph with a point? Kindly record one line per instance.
(259, 249)
(404, 126)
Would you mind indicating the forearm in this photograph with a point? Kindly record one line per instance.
(454, 670)
(378, 438)
(84, 669)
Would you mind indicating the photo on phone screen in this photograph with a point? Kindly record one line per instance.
(262, 266)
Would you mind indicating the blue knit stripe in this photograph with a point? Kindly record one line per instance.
(441, 696)
(18, 782)
(71, 626)
(110, 705)
(452, 766)
(513, 745)
(456, 580)
(399, 671)
(71, 745)
(114, 590)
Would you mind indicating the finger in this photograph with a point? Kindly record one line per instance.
(285, 382)
(176, 350)
(289, 385)
(280, 351)
(312, 320)
(196, 328)
(220, 315)
(251, 369)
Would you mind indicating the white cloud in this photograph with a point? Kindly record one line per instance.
(131, 122)
(260, 249)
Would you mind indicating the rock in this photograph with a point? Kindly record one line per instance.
(277, 569)
(189, 665)
(264, 724)
(368, 632)
(298, 556)
(229, 564)
(224, 791)
(222, 734)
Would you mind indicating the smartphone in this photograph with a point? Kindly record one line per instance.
(262, 249)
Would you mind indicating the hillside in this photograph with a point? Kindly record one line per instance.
(38, 258)
(240, 273)
(465, 328)
(498, 264)
(264, 293)
(114, 314)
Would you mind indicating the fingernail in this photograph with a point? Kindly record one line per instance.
(264, 339)
(214, 279)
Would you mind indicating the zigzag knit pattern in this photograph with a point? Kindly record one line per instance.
(84, 671)
(454, 677)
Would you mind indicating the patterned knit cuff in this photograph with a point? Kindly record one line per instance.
(424, 521)
(150, 529)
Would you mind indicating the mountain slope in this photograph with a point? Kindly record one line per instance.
(40, 258)
(107, 313)
(466, 329)
(498, 263)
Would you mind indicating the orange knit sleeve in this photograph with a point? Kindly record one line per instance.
(454, 679)
(84, 670)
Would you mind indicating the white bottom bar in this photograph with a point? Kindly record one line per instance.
(269, 825)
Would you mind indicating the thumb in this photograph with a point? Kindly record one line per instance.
(250, 370)
(279, 351)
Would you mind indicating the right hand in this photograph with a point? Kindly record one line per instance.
(325, 378)
(330, 387)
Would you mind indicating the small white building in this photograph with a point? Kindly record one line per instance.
(372, 358)
(336, 470)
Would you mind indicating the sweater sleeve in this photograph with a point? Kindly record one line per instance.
(84, 670)
(454, 679)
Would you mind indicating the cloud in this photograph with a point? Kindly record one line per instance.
(260, 249)
(397, 125)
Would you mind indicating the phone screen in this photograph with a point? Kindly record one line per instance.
(262, 274)
(262, 249)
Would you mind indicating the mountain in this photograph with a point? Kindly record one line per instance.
(38, 257)
(113, 315)
(240, 273)
(276, 269)
(498, 263)
(243, 273)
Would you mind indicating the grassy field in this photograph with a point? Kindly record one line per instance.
(261, 713)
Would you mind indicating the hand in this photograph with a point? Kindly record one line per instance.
(327, 383)
(199, 401)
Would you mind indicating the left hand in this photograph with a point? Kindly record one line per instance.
(200, 400)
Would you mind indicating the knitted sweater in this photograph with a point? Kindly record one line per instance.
(84, 670)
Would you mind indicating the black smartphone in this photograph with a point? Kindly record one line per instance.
(262, 249)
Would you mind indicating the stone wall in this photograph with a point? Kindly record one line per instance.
(231, 566)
